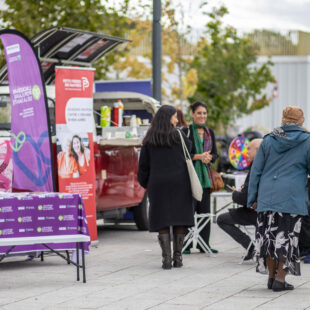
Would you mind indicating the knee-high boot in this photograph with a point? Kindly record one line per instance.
(164, 241)
(178, 240)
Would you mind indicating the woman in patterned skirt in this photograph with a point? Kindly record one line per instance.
(278, 190)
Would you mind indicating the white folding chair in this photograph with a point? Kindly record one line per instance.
(252, 237)
(193, 236)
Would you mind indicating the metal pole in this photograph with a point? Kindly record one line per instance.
(156, 50)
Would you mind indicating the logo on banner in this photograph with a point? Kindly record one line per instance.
(41, 160)
(11, 49)
(36, 92)
(19, 141)
(15, 58)
(85, 82)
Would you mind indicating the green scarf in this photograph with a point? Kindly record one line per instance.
(200, 167)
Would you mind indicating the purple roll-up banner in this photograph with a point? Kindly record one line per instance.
(30, 137)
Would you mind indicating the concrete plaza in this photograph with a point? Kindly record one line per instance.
(124, 272)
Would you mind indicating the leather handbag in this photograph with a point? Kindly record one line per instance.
(217, 181)
(195, 183)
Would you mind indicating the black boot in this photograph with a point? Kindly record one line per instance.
(164, 241)
(178, 240)
(278, 286)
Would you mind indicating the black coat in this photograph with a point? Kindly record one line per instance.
(163, 172)
(241, 198)
(191, 137)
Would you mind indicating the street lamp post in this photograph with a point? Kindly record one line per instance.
(156, 50)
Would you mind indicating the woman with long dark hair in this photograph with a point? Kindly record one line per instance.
(163, 172)
(205, 153)
(80, 153)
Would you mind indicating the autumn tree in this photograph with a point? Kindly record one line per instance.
(178, 78)
(32, 16)
(229, 80)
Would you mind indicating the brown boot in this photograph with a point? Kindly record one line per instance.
(178, 241)
(164, 241)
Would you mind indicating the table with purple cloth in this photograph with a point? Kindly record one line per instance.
(41, 214)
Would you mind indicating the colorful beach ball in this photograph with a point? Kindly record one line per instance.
(238, 153)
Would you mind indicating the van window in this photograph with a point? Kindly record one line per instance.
(5, 113)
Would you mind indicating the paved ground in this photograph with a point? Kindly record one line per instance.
(124, 272)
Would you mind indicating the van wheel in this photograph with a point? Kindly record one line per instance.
(141, 214)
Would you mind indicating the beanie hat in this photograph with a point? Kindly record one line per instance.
(293, 114)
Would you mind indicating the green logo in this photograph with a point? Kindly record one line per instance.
(80, 207)
(19, 198)
(79, 228)
(0, 232)
(36, 92)
(60, 217)
(40, 207)
(39, 229)
(60, 196)
(19, 220)
(19, 141)
(0, 209)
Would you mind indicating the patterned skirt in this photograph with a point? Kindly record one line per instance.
(277, 236)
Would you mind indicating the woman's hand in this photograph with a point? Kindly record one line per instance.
(206, 157)
(254, 206)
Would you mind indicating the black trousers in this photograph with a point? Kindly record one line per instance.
(203, 206)
(240, 216)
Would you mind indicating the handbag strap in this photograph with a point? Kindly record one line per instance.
(185, 150)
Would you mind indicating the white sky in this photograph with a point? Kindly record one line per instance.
(246, 15)
(270, 14)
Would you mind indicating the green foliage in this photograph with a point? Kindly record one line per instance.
(229, 82)
(32, 16)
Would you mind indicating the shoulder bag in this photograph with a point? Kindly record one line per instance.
(195, 183)
(217, 181)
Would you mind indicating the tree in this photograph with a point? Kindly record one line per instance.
(229, 80)
(178, 79)
(32, 16)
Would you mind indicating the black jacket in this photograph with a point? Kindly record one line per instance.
(245, 214)
(241, 197)
(191, 137)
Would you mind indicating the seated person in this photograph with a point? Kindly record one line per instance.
(243, 215)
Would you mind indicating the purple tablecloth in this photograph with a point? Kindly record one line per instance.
(41, 214)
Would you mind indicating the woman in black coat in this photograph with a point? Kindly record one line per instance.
(163, 172)
(205, 152)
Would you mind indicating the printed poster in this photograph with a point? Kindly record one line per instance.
(74, 132)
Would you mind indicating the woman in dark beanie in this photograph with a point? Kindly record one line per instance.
(278, 191)
(163, 172)
(205, 153)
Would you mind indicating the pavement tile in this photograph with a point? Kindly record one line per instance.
(237, 303)
(124, 272)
